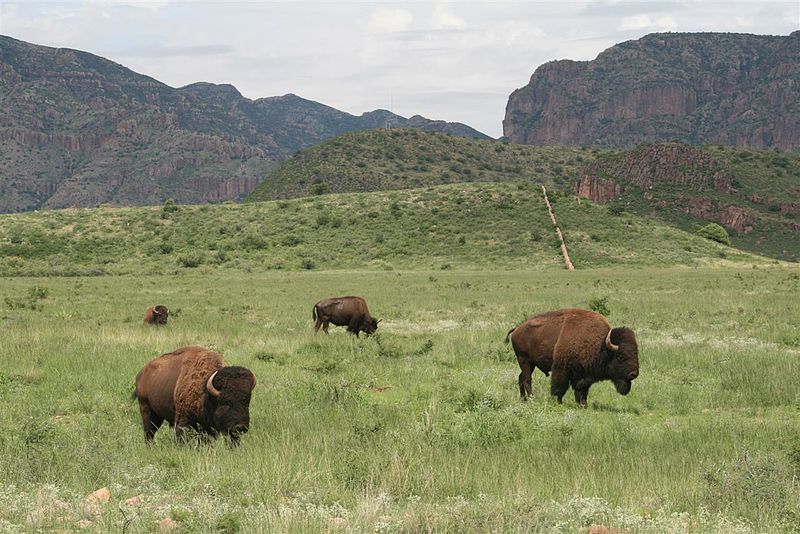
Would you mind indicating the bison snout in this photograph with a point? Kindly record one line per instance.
(632, 375)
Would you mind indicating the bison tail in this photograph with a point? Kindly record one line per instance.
(508, 335)
(314, 312)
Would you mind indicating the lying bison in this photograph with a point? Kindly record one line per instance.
(341, 311)
(191, 388)
(156, 315)
(579, 347)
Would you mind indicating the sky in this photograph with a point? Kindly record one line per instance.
(454, 61)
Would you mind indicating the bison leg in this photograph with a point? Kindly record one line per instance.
(317, 325)
(325, 325)
(581, 388)
(150, 421)
(525, 389)
(559, 383)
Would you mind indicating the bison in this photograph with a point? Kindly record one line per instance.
(156, 315)
(341, 311)
(192, 388)
(579, 347)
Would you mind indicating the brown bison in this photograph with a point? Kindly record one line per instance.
(579, 347)
(341, 311)
(156, 315)
(192, 388)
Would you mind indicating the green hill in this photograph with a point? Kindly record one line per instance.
(377, 160)
(466, 226)
(755, 194)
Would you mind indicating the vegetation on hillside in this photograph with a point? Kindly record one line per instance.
(765, 189)
(384, 159)
(472, 226)
(765, 183)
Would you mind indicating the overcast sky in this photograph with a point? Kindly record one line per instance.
(456, 61)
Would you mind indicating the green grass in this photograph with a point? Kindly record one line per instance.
(466, 226)
(418, 428)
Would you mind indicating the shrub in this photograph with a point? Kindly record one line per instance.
(320, 188)
(190, 260)
(169, 207)
(615, 208)
(600, 305)
(715, 232)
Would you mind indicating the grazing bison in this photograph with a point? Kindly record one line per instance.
(156, 315)
(579, 347)
(191, 388)
(341, 311)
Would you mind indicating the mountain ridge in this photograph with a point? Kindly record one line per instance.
(79, 130)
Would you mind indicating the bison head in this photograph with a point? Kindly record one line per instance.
(160, 314)
(371, 325)
(231, 387)
(623, 355)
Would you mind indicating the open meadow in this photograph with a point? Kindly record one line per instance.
(419, 427)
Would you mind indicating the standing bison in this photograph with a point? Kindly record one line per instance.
(341, 311)
(191, 388)
(156, 315)
(579, 347)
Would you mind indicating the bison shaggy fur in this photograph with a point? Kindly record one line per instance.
(177, 387)
(344, 311)
(156, 315)
(579, 348)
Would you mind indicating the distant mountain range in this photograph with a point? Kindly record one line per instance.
(79, 130)
(700, 88)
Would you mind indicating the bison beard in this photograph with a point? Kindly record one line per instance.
(191, 388)
(579, 348)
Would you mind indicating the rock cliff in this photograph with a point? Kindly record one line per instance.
(716, 88)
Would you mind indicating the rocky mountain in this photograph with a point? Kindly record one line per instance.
(717, 88)
(79, 130)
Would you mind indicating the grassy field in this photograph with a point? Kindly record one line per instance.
(464, 226)
(418, 428)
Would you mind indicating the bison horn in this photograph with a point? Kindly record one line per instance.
(609, 344)
(214, 392)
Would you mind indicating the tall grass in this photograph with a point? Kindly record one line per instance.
(417, 428)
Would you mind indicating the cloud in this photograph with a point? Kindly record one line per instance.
(445, 19)
(175, 51)
(390, 19)
(643, 21)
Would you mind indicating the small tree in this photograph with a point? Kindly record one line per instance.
(715, 232)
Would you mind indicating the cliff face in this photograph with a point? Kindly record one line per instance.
(703, 88)
(79, 130)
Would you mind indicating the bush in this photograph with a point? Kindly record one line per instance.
(715, 232)
(615, 208)
(320, 188)
(600, 305)
(169, 207)
(190, 260)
